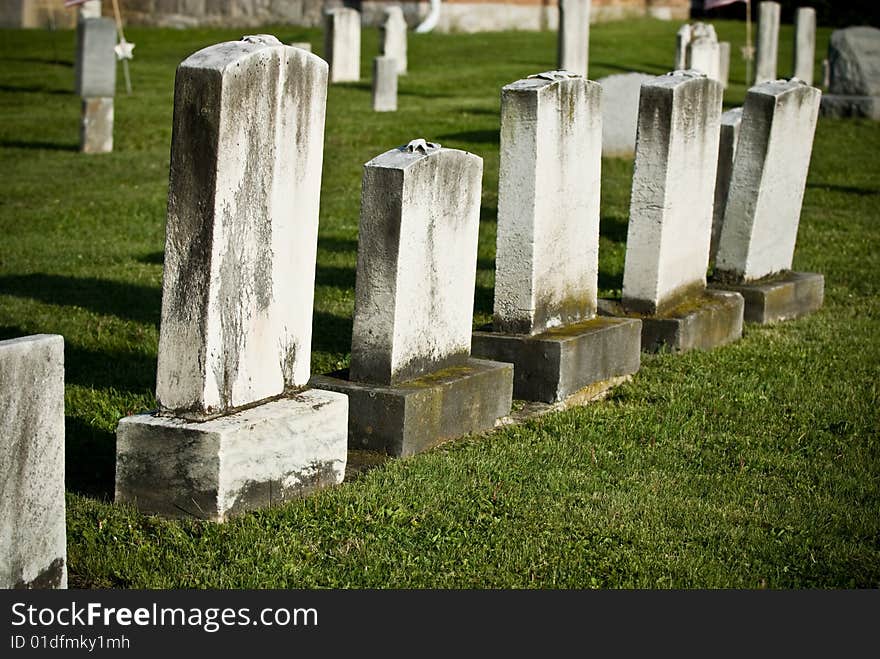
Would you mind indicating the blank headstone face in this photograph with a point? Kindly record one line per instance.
(342, 44)
(33, 539)
(667, 249)
(620, 112)
(241, 236)
(384, 84)
(574, 36)
(805, 44)
(548, 203)
(854, 61)
(768, 41)
(769, 176)
(96, 58)
(730, 126)
(417, 259)
(392, 39)
(724, 63)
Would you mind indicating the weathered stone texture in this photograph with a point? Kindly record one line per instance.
(785, 297)
(673, 190)
(769, 176)
(548, 203)
(33, 538)
(256, 458)
(416, 270)
(241, 235)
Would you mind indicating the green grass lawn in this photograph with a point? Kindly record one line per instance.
(753, 465)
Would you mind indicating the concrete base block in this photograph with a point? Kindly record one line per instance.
(850, 106)
(784, 297)
(415, 415)
(96, 128)
(252, 459)
(553, 365)
(709, 319)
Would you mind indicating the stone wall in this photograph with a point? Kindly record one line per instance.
(456, 15)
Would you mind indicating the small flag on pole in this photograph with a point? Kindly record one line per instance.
(73, 3)
(712, 4)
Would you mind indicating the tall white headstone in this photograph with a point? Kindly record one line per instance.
(417, 251)
(548, 203)
(704, 55)
(342, 44)
(769, 176)
(33, 527)
(682, 39)
(384, 84)
(236, 429)
(768, 41)
(574, 36)
(673, 190)
(392, 37)
(805, 44)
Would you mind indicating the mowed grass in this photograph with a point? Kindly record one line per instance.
(754, 465)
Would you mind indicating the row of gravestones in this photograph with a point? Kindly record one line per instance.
(242, 424)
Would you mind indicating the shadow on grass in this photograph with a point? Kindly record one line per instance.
(38, 146)
(337, 244)
(650, 69)
(153, 258)
(90, 459)
(123, 371)
(40, 60)
(473, 137)
(335, 276)
(35, 89)
(614, 229)
(128, 301)
(331, 333)
(846, 189)
(484, 300)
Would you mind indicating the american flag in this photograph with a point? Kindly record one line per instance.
(712, 4)
(73, 3)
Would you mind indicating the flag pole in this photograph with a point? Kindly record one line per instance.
(118, 17)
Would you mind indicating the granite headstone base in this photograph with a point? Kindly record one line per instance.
(252, 459)
(780, 297)
(418, 414)
(555, 364)
(702, 321)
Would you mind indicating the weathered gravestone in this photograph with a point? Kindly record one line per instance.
(757, 240)
(667, 248)
(236, 428)
(342, 44)
(854, 74)
(620, 112)
(33, 528)
(682, 40)
(412, 382)
(384, 84)
(704, 55)
(730, 125)
(89, 9)
(96, 83)
(547, 257)
(573, 45)
(697, 47)
(768, 41)
(392, 37)
(804, 44)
